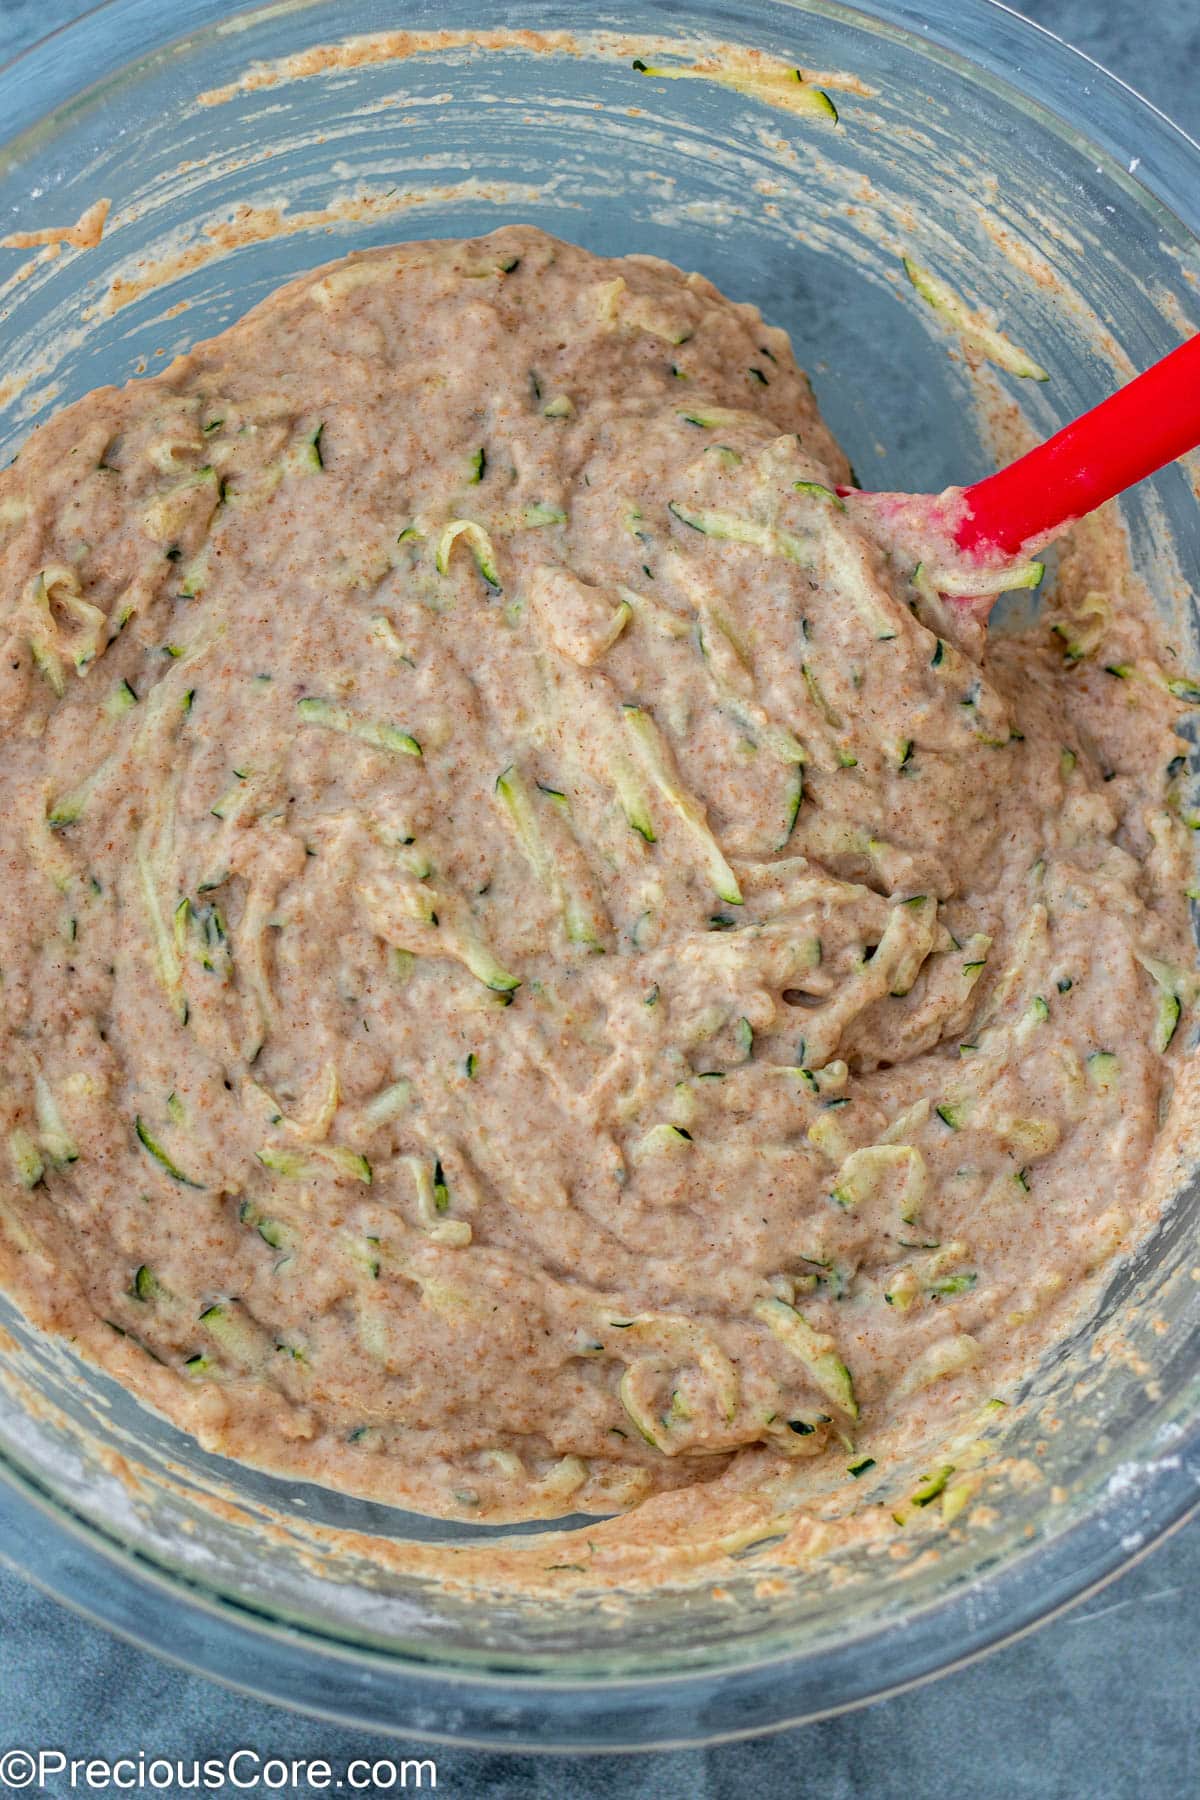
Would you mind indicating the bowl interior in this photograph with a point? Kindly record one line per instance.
(213, 205)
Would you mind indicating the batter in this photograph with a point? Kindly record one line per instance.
(540, 959)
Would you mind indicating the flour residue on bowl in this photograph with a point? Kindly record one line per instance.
(260, 224)
(85, 234)
(768, 78)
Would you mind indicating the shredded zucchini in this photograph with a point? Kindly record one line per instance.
(817, 1352)
(1103, 1071)
(668, 1342)
(235, 1332)
(948, 1356)
(293, 1165)
(734, 529)
(389, 1103)
(657, 762)
(427, 922)
(314, 711)
(1176, 988)
(432, 1202)
(479, 544)
(151, 852)
(58, 586)
(970, 326)
(789, 89)
(880, 1168)
(26, 1158)
(582, 922)
(156, 1150)
(659, 1140)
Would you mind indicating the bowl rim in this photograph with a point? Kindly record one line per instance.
(360, 1686)
(72, 1560)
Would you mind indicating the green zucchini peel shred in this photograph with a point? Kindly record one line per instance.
(655, 758)
(477, 541)
(813, 1349)
(380, 736)
(973, 330)
(152, 1146)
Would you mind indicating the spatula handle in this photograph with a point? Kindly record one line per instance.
(1147, 423)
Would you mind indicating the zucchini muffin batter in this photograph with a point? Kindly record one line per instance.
(541, 961)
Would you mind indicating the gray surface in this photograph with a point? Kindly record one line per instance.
(1105, 1702)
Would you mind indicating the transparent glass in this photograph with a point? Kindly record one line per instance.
(114, 1511)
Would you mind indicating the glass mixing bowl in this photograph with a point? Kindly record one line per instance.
(1089, 252)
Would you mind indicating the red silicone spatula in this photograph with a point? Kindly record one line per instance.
(1022, 508)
